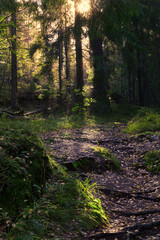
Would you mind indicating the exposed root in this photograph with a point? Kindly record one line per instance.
(140, 213)
(127, 232)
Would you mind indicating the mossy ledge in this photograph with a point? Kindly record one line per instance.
(23, 166)
(39, 198)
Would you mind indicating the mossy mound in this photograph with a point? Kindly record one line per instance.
(23, 166)
(68, 208)
(110, 162)
(152, 161)
(147, 120)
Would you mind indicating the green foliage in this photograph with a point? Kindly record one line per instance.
(34, 47)
(43, 92)
(111, 162)
(59, 122)
(146, 120)
(68, 206)
(123, 112)
(152, 161)
(23, 165)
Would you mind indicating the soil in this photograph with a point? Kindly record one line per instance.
(131, 197)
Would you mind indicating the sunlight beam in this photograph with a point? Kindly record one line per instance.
(84, 6)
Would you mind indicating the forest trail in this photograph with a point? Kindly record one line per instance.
(131, 196)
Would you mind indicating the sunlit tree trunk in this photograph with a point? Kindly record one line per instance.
(67, 49)
(79, 56)
(60, 33)
(67, 42)
(13, 62)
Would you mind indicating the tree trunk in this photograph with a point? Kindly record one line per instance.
(143, 91)
(100, 83)
(60, 33)
(79, 56)
(13, 63)
(67, 48)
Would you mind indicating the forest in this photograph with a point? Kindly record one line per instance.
(79, 119)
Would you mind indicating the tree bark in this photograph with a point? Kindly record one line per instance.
(60, 33)
(13, 63)
(67, 48)
(79, 56)
(100, 83)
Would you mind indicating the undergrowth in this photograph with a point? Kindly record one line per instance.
(67, 207)
(147, 120)
(31, 208)
(23, 165)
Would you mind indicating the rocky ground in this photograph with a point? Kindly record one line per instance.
(131, 197)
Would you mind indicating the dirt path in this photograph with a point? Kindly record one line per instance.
(132, 196)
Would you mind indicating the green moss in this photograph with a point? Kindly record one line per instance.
(147, 120)
(69, 206)
(111, 162)
(152, 161)
(23, 166)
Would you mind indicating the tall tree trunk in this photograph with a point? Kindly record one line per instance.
(67, 54)
(143, 89)
(13, 63)
(67, 49)
(140, 81)
(79, 56)
(99, 82)
(60, 33)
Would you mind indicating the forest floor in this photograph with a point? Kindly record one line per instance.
(131, 197)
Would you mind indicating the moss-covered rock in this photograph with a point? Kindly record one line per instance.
(23, 166)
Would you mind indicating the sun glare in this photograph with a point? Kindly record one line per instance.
(84, 6)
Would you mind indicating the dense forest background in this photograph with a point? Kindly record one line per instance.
(75, 55)
(79, 119)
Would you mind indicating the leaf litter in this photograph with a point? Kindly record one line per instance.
(133, 179)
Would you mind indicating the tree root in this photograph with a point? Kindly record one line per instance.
(140, 213)
(127, 232)
(21, 113)
(131, 194)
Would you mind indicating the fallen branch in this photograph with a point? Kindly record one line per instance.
(11, 113)
(140, 213)
(36, 111)
(126, 232)
(21, 113)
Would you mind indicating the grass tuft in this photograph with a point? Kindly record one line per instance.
(111, 162)
(147, 120)
(152, 161)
